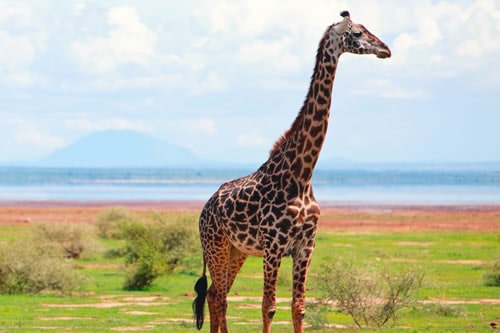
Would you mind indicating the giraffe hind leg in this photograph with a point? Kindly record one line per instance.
(226, 271)
(218, 255)
(236, 260)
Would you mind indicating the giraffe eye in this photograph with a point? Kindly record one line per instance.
(357, 34)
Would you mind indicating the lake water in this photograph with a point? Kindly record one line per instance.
(342, 186)
(368, 194)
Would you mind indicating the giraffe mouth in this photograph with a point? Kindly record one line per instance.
(383, 53)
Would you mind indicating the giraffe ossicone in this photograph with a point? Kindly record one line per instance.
(272, 212)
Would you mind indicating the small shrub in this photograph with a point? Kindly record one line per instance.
(491, 277)
(446, 310)
(72, 239)
(143, 256)
(111, 222)
(27, 267)
(371, 297)
(316, 314)
(157, 247)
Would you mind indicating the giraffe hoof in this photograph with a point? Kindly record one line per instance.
(271, 314)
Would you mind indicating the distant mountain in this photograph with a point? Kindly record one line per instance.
(121, 148)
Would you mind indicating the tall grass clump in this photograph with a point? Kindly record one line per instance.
(371, 296)
(491, 277)
(27, 267)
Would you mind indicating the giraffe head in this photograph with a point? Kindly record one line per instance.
(355, 38)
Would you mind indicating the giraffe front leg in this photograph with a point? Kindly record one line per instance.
(300, 267)
(272, 262)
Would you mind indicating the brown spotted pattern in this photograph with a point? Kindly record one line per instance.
(272, 212)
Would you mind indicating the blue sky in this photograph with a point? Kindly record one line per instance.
(227, 78)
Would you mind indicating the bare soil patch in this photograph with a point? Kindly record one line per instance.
(103, 305)
(140, 313)
(113, 301)
(458, 302)
(133, 328)
(146, 299)
(453, 262)
(359, 219)
(414, 243)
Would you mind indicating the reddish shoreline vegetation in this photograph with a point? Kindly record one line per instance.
(354, 217)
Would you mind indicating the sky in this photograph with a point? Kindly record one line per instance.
(225, 78)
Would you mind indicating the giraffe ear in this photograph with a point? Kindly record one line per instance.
(341, 27)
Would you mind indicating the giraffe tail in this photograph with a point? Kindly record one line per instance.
(200, 287)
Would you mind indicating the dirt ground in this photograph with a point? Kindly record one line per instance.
(353, 217)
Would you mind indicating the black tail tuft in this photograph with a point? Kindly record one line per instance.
(199, 302)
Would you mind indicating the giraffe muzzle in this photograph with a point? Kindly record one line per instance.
(383, 53)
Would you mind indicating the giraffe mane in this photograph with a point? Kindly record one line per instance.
(298, 120)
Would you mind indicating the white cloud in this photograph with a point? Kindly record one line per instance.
(18, 52)
(206, 126)
(469, 49)
(213, 82)
(37, 139)
(388, 89)
(20, 14)
(275, 53)
(27, 138)
(85, 125)
(128, 41)
(79, 7)
(466, 33)
(18, 49)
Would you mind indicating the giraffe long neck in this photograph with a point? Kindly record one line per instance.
(300, 146)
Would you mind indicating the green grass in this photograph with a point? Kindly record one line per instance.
(454, 264)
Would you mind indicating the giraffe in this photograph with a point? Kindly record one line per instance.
(272, 212)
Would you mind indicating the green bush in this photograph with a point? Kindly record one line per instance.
(372, 297)
(111, 222)
(74, 240)
(316, 314)
(143, 256)
(28, 267)
(157, 246)
(492, 276)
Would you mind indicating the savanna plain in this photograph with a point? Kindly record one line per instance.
(455, 247)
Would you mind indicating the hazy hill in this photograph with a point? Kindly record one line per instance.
(131, 149)
(121, 148)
